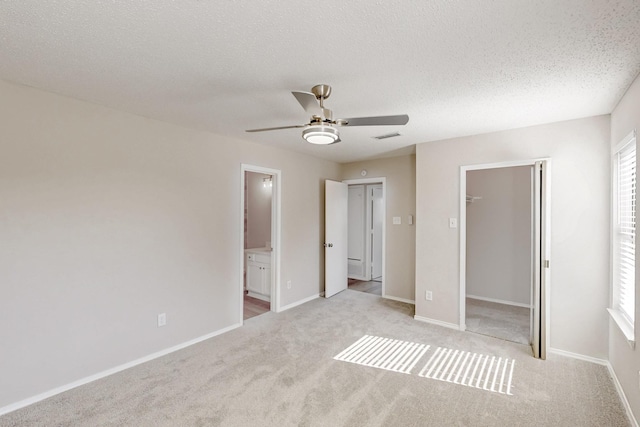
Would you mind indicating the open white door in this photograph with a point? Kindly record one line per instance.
(541, 258)
(336, 238)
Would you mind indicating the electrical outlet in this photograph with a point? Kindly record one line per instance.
(453, 222)
(162, 319)
(288, 284)
(428, 295)
(638, 379)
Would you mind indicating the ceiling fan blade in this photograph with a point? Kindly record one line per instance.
(401, 119)
(309, 102)
(276, 128)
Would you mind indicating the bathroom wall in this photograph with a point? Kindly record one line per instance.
(257, 209)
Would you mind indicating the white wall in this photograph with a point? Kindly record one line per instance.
(625, 361)
(401, 201)
(499, 234)
(258, 210)
(579, 288)
(107, 219)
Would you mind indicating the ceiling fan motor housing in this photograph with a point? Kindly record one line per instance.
(321, 134)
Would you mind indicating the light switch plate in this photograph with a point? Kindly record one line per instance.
(397, 220)
(410, 219)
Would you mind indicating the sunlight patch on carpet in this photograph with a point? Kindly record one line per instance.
(484, 372)
(490, 373)
(384, 353)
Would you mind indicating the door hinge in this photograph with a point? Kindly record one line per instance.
(546, 263)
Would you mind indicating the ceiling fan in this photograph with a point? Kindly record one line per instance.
(322, 129)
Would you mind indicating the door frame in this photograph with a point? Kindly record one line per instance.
(546, 214)
(370, 219)
(383, 181)
(276, 238)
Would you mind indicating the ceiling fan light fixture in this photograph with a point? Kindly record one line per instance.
(321, 135)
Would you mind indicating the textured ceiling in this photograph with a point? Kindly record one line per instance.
(456, 67)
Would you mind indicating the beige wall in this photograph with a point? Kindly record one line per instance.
(499, 234)
(258, 210)
(108, 219)
(579, 290)
(624, 360)
(400, 201)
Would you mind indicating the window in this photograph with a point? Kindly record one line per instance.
(624, 234)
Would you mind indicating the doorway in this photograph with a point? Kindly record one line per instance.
(499, 253)
(260, 241)
(504, 251)
(366, 231)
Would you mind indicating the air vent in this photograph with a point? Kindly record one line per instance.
(389, 135)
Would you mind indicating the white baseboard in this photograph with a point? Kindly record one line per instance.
(261, 297)
(579, 356)
(408, 301)
(499, 301)
(623, 397)
(437, 322)
(37, 398)
(297, 303)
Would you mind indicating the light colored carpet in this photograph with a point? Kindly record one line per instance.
(278, 370)
(503, 321)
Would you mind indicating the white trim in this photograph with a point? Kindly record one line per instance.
(578, 356)
(623, 397)
(462, 224)
(623, 323)
(261, 297)
(408, 301)
(276, 235)
(302, 301)
(508, 164)
(626, 140)
(86, 380)
(379, 180)
(625, 327)
(499, 301)
(438, 322)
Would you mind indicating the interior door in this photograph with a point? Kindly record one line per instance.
(336, 238)
(376, 232)
(541, 258)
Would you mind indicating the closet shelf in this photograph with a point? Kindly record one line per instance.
(471, 199)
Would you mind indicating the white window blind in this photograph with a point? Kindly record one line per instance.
(625, 244)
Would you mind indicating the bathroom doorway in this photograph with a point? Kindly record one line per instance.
(260, 241)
